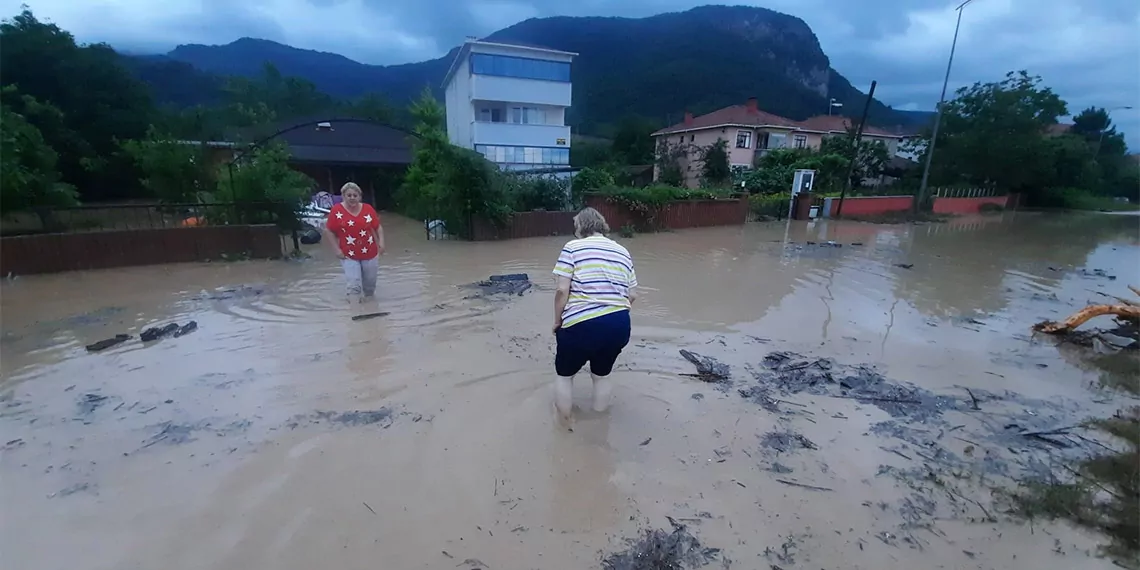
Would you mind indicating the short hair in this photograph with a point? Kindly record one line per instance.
(350, 186)
(589, 222)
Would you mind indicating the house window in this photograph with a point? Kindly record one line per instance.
(528, 116)
(777, 140)
(799, 141)
(690, 138)
(743, 139)
(520, 67)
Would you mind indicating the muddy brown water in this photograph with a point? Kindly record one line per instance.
(230, 447)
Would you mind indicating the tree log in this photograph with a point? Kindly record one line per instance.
(1092, 311)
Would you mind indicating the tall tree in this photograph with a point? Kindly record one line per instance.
(101, 103)
(29, 179)
(993, 134)
(1095, 126)
(633, 140)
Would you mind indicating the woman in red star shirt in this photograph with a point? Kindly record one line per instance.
(354, 230)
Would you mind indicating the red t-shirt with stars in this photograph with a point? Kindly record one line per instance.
(354, 234)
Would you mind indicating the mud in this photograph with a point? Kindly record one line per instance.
(514, 284)
(292, 437)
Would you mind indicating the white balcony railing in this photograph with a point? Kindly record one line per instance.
(512, 134)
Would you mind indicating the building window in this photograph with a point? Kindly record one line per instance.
(528, 116)
(491, 115)
(690, 138)
(776, 140)
(799, 141)
(520, 67)
(524, 154)
(743, 139)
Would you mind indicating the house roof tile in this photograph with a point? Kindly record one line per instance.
(742, 115)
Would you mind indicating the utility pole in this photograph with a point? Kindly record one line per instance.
(921, 197)
(855, 151)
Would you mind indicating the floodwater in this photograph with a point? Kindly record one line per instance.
(227, 447)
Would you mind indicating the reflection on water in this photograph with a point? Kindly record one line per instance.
(471, 465)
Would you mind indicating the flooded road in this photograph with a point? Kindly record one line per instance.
(236, 446)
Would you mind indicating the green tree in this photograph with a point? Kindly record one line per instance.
(416, 196)
(30, 179)
(262, 183)
(589, 180)
(993, 134)
(668, 162)
(1094, 125)
(175, 171)
(715, 169)
(100, 103)
(870, 159)
(586, 154)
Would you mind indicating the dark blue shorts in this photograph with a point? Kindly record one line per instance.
(598, 341)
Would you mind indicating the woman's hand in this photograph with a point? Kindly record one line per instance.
(557, 325)
(339, 253)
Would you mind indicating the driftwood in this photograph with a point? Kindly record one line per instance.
(1122, 311)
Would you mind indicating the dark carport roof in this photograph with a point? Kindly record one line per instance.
(345, 141)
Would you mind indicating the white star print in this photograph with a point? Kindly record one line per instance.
(351, 253)
(351, 240)
(362, 232)
(369, 239)
(364, 250)
(368, 218)
(351, 223)
(339, 215)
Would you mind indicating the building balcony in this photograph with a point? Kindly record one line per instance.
(492, 88)
(512, 134)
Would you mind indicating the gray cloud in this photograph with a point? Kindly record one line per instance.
(1089, 52)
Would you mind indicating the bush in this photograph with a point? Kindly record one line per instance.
(531, 193)
(264, 187)
(771, 205)
(1076, 199)
(589, 180)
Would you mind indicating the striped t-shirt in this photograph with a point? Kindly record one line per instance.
(601, 275)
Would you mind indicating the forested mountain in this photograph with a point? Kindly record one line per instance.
(656, 67)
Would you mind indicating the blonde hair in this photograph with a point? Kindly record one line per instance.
(351, 186)
(589, 222)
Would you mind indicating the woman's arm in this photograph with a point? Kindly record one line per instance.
(378, 233)
(561, 297)
(632, 295)
(330, 238)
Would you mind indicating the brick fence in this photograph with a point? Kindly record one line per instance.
(674, 216)
(51, 253)
(876, 205)
(677, 215)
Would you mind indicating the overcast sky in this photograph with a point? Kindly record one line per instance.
(1087, 50)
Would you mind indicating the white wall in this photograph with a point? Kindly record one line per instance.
(521, 135)
(494, 88)
(460, 113)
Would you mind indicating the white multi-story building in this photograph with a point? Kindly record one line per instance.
(508, 102)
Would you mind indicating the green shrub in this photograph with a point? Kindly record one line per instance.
(589, 180)
(1075, 199)
(530, 193)
(773, 205)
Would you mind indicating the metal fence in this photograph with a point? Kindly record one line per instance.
(145, 216)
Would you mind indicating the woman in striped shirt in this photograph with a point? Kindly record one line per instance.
(596, 289)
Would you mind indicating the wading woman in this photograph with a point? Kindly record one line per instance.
(354, 232)
(596, 290)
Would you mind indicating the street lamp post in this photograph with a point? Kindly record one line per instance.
(833, 104)
(938, 116)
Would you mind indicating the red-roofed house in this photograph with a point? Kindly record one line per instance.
(751, 133)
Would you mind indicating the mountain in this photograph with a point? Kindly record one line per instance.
(657, 67)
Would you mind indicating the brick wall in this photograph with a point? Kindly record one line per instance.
(51, 253)
(677, 215)
(968, 205)
(871, 205)
(524, 225)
